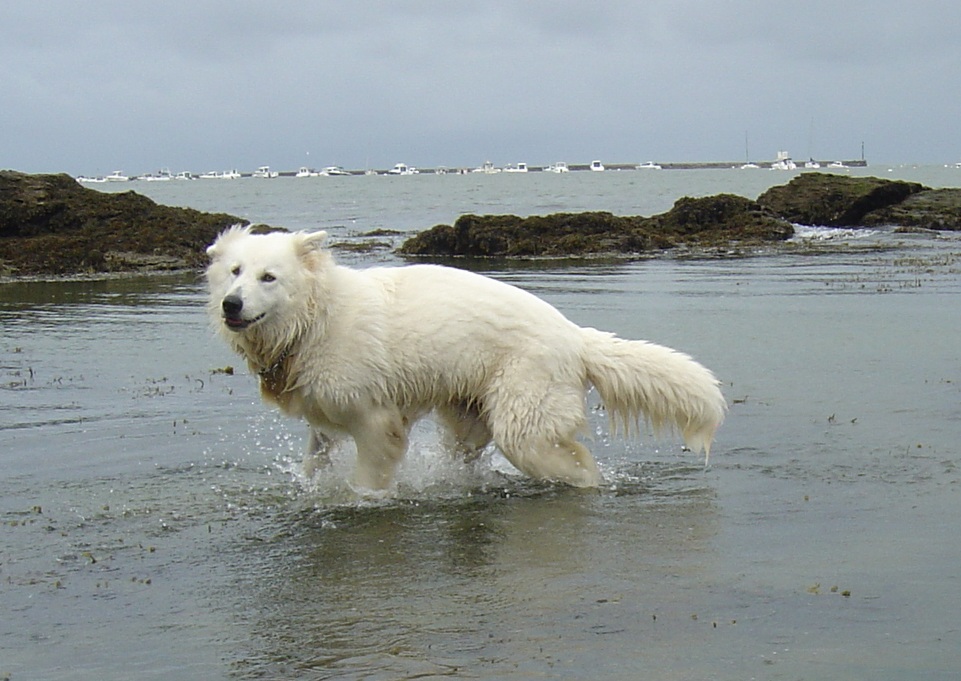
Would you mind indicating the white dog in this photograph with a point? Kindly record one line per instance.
(365, 353)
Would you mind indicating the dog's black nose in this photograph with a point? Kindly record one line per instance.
(232, 305)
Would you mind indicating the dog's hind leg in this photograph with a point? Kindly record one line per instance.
(317, 455)
(381, 438)
(535, 421)
(566, 461)
(466, 427)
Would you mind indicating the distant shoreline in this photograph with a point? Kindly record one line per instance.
(573, 167)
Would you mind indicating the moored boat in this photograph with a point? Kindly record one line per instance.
(519, 168)
(403, 169)
(265, 172)
(162, 175)
(783, 162)
(487, 169)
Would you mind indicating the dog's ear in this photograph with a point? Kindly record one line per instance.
(312, 241)
(216, 248)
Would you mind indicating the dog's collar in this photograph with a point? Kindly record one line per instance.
(271, 372)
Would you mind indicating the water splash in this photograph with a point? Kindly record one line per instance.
(267, 467)
(806, 233)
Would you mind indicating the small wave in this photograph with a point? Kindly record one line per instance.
(809, 233)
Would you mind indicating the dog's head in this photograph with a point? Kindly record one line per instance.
(260, 283)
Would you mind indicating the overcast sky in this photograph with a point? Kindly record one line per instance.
(91, 87)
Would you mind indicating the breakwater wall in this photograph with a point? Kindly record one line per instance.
(578, 167)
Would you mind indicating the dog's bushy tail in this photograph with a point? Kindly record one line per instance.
(666, 387)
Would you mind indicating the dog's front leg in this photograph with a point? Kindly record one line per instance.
(380, 434)
(317, 455)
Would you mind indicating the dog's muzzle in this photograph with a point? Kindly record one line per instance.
(233, 309)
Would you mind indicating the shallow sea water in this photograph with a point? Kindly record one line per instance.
(155, 521)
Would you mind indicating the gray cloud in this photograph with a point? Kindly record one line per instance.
(200, 85)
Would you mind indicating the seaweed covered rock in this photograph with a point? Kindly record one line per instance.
(835, 200)
(49, 224)
(936, 209)
(510, 235)
(703, 222)
(713, 220)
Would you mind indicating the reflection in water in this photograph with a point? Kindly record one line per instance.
(154, 291)
(503, 580)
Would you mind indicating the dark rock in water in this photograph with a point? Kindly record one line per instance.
(840, 201)
(510, 235)
(935, 209)
(49, 224)
(714, 220)
(704, 222)
(835, 200)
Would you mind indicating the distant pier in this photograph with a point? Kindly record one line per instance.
(489, 169)
(579, 167)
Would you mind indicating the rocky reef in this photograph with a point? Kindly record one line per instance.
(835, 200)
(931, 209)
(50, 225)
(716, 222)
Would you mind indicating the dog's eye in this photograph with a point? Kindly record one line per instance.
(267, 277)
(235, 270)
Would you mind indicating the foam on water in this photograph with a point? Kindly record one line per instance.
(824, 234)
